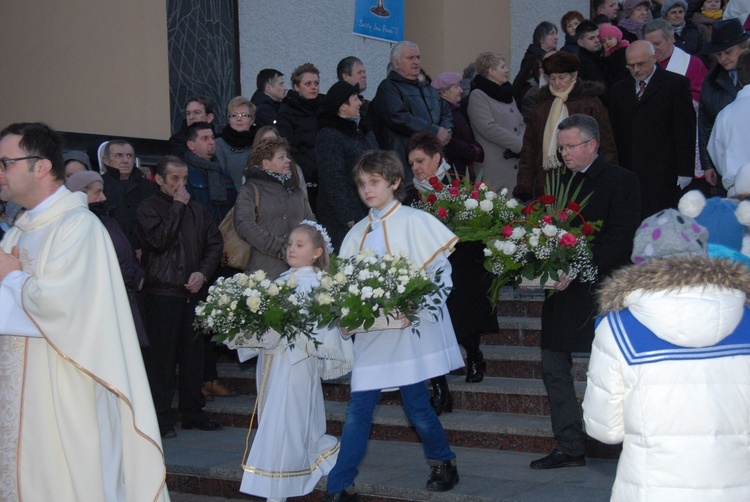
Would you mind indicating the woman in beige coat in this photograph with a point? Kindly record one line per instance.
(282, 205)
(496, 121)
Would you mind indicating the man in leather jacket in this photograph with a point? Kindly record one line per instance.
(182, 247)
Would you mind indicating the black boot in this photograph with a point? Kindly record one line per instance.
(443, 476)
(475, 367)
(342, 496)
(441, 399)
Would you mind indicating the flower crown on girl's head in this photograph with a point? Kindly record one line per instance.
(320, 228)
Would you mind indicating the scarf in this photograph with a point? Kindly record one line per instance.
(424, 185)
(557, 113)
(713, 15)
(634, 27)
(498, 92)
(238, 139)
(288, 181)
(678, 28)
(217, 189)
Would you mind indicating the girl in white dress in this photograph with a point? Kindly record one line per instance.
(291, 452)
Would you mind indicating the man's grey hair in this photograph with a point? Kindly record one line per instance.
(659, 25)
(396, 50)
(586, 124)
(111, 143)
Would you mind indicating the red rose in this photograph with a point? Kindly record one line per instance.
(453, 191)
(568, 240)
(527, 210)
(456, 183)
(475, 194)
(438, 187)
(563, 215)
(433, 180)
(547, 219)
(507, 231)
(587, 229)
(574, 206)
(547, 199)
(431, 198)
(442, 213)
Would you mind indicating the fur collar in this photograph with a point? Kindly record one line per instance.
(671, 274)
(502, 93)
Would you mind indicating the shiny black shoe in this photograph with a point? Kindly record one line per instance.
(204, 425)
(441, 399)
(475, 367)
(443, 476)
(342, 496)
(558, 459)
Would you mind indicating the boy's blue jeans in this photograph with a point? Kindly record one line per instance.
(356, 432)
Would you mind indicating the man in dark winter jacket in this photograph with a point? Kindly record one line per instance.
(403, 105)
(271, 90)
(197, 109)
(590, 53)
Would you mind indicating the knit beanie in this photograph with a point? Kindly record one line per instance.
(670, 4)
(608, 30)
(80, 180)
(337, 95)
(723, 218)
(78, 155)
(446, 80)
(668, 233)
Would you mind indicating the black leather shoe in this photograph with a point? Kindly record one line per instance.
(342, 496)
(443, 477)
(558, 459)
(441, 399)
(475, 367)
(205, 425)
(167, 432)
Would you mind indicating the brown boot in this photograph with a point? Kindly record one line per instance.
(216, 388)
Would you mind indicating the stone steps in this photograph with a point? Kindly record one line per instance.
(208, 463)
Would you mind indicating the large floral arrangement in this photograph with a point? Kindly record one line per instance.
(469, 208)
(241, 309)
(544, 241)
(360, 289)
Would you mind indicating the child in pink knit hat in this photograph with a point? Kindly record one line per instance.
(611, 38)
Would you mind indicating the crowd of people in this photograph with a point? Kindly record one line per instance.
(641, 105)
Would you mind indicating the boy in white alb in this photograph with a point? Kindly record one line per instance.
(397, 357)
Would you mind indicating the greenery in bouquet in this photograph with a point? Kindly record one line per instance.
(550, 237)
(242, 308)
(469, 208)
(359, 289)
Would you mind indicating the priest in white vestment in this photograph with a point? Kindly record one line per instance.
(76, 418)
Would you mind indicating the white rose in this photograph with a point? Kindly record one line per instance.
(536, 231)
(259, 275)
(512, 203)
(233, 305)
(200, 310)
(324, 299)
(349, 269)
(265, 283)
(509, 248)
(253, 303)
(363, 275)
(345, 311)
(223, 300)
(498, 244)
(518, 233)
(326, 282)
(366, 292)
(340, 278)
(378, 292)
(486, 206)
(400, 288)
(490, 195)
(354, 289)
(293, 299)
(482, 186)
(487, 252)
(504, 192)
(292, 282)
(273, 290)
(549, 230)
(534, 241)
(471, 204)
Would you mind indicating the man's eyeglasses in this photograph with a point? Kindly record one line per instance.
(240, 115)
(6, 162)
(565, 148)
(640, 65)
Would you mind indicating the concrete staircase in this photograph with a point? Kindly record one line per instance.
(496, 427)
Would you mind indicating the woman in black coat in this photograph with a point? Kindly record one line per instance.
(297, 122)
(544, 40)
(340, 142)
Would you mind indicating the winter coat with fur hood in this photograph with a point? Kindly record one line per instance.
(680, 400)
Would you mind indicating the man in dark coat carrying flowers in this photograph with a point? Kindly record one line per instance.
(568, 314)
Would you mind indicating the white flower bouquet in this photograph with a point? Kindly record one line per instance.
(369, 292)
(252, 311)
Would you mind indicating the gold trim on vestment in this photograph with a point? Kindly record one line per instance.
(293, 474)
(98, 380)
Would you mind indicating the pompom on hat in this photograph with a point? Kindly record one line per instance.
(669, 233)
(723, 218)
